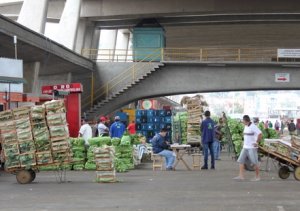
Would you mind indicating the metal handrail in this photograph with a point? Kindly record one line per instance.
(131, 72)
(189, 54)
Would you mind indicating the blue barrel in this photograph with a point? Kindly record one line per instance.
(138, 126)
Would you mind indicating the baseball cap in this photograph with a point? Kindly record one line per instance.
(102, 118)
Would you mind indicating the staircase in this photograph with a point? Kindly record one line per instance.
(128, 79)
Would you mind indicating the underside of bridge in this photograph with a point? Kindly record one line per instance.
(187, 24)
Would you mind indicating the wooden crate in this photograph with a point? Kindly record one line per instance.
(21, 112)
(30, 156)
(6, 115)
(60, 145)
(44, 157)
(61, 156)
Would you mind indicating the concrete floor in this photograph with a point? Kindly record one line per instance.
(142, 189)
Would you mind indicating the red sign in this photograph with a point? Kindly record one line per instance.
(72, 88)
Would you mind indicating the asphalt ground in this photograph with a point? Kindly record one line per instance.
(142, 189)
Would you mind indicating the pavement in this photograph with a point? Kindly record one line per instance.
(142, 190)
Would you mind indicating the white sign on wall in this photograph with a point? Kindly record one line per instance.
(11, 68)
(288, 53)
(282, 77)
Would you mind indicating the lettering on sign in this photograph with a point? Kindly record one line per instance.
(288, 53)
(282, 77)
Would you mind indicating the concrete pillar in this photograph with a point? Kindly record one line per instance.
(107, 46)
(31, 74)
(69, 77)
(68, 24)
(33, 15)
(122, 45)
(81, 32)
(90, 41)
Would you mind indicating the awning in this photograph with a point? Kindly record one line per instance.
(12, 80)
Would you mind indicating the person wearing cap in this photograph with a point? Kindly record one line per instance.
(160, 147)
(102, 128)
(208, 136)
(117, 129)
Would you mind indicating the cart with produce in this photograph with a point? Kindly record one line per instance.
(286, 154)
(33, 137)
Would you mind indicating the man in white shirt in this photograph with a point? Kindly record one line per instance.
(85, 131)
(252, 137)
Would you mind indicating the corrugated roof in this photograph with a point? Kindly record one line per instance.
(12, 80)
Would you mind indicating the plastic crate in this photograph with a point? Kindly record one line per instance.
(150, 119)
(150, 113)
(150, 126)
(167, 119)
(156, 119)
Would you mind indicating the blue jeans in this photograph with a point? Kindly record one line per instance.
(170, 158)
(206, 147)
(217, 149)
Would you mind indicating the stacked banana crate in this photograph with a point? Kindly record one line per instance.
(104, 158)
(41, 135)
(59, 132)
(9, 139)
(195, 111)
(24, 135)
(32, 136)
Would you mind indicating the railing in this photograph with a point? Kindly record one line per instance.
(188, 54)
(120, 81)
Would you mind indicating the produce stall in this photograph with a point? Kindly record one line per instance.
(32, 137)
(286, 154)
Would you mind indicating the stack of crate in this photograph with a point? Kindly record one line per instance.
(41, 135)
(9, 139)
(59, 133)
(195, 111)
(104, 158)
(24, 135)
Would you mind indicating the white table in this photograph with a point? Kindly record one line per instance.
(180, 150)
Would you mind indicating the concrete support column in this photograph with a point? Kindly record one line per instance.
(122, 45)
(108, 41)
(68, 24)
(81, 33)
(33, 15)
(31, 74)
(89, 42)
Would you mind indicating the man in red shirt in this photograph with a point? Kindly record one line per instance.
(131, 128)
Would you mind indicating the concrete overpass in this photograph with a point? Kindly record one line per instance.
(194, 77)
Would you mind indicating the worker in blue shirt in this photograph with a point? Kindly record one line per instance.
(208, 134)
(117, 129)
(161, 147)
